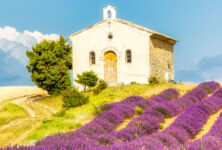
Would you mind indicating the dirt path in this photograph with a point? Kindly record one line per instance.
(19, 129)
(53, 111)
(23, 103)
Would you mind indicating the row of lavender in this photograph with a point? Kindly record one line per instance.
(148, 123)
(184, 128)
(211, 141)
(101, 130)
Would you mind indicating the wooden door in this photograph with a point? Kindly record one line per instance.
(110, 67)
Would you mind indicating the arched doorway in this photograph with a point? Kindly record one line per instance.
(110, 67)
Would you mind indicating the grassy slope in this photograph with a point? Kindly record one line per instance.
(10, 112)
(76, 117)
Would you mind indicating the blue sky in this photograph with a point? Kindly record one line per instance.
(197, 25)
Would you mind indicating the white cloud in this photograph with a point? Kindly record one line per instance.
(208, 68)
(16, 43)
(14, 50)
(39, 36)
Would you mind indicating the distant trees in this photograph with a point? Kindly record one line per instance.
(49, 64)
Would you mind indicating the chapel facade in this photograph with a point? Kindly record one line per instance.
(119, 51)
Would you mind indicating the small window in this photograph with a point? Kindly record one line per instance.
(128, 56)
(92, 58)
(110, 36)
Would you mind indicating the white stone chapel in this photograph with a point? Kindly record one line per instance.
(122, 52)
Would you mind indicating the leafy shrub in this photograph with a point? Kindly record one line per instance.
(101, 86)
(153, 80)
(96, 91)
(133, 82)
(73, 98)
(88, 78)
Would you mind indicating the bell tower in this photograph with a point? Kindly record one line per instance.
(109, 12)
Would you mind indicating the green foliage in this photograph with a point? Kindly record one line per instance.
(96, 110)
(101, 86)
(49, 64)
(153, 80)
(96, 91)
(99, 109)
(60, 113)
(160, 126)
(139, 110)
(73, 98)
(88, 78)
(133, 82)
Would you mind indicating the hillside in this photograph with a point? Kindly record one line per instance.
(37, 116)
(170, 119)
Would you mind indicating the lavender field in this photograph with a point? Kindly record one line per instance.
(191, 111)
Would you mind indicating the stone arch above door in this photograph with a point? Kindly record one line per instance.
(105, 50)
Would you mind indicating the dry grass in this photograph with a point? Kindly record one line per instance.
(167, 123)
(12, 92)
(125, 123)
(207, 126)
(182, 88)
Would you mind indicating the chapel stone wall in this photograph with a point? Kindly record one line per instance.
(161, 59)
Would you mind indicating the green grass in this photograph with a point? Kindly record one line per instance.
(76, 117)
(10, 112)
(139, 110)
(54, 125)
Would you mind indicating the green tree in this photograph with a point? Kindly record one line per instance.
(49, 64)
(88, 78)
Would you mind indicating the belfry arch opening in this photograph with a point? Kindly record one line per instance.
(109, 14)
